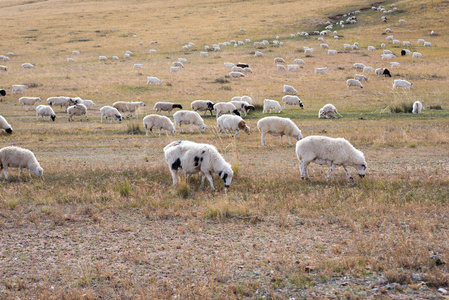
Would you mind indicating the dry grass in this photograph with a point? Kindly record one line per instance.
(105, 219)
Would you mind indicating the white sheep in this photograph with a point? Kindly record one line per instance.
(269, 105)
(115, 58)
(152, 51)
(401, 21)
(371, 48)
(229, 65)
(77, 110)
(324, 46)
(104, 58)
(406, 43)
(3, 68)
(245, 98)
(292, 100)
(358, 66)
(151, 122)
(138, 66)
(400, 83)
(16, 157)
(203, 105)
(328, 111)
(368, 69)
(417, 107)
(385, 51)
(27, 66)
(242, 106)
(29, 101)
(360, 77)
(88, 103)
(225, 108)
(165, 106)
(153, 80)
(281, 68)
(279, 60)
(321, 70)
(237, 69)
(299, 61)
(232, 123)
(204, 54)
(233, 75)
(278, 127)
(394, 64)
(45, 111)
(396, 42)
(70, 60)
(347, 47)
(19, 88)
(178, 64)
(388, 56)
(293, 67)
(4, 125)
(389, 38)
(183, 60)
(175, 69)
(61, 101)
(427, 44)
(417, 55)
(258, 54)
(353, 82)
(188, 117)
(421, 41)
(289, 90)
(332, 52)
(131, 107)
(110, 113)
(74, 52)
(193, 158)
(330, 151)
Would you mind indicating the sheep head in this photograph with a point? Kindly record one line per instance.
(242, 125)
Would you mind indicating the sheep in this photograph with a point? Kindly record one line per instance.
(45, 111)
(353, 82)
(388, 56)
(166, 106)
(278, 127)
(232, 123)
(332, 52)
(130, 107)
(194, 158)
(292, 100)
(225, 108)
(324, 46)
(400, 83)
(237, 69)
(183, 60)
(401, 21)
(153, 80)
(19, 88)
(70, 60)
(2, 94)
(321, 70)
(110, 113)
(229, 65)
(360, 77)
(347, 47)
(269, 105)
(330, 151)
(293, 67)
(242, 65)
(382, 45)
(151, 122)
(115, 58)
(103, 58)
(308, 50)
(16, 157)
(299, 61)
(138, 66)
(29, 101)
(175, 69)
(383, 71)
(74, 52)
(178, 64)
(3, 68)
(202, 105)
(77, 110)
(204, 54)
(233, 75)
(368, 69)
(189, 117)
(394, 64)
(61, 101)
(88, 103)
(417, 107)
(417, 55)
(289, 90)
(389, 38)
(245, 98)
(279, 60)
(406, 43)
(427, 44)
(371, 48)
(396, 42)
(5, 126)
(281, 68)
(387, 52)
(358, 66)
(421, 41)
(27, 66)
(258, 54)
(242, 106)
(328, 111)
(152, 51)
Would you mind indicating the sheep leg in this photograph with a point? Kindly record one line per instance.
(166, 132)
(236, 133)
(289, 140)
(330, 174)
(280, 140)
(349, 175)
(152, 132)
(6, 173)
(263, 139)
(209, 177)
(174, 175)
(29, 173)
(160, 131)
(180, 127)
(20, 172)
(191, 127)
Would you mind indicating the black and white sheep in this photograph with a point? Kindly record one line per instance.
(292, 100)
(203, 105)
(193, 158)
(189, 118)
(225, 108)
(383, 71)
(232, 123)
(329, 151)
(16, 157)
(278, 127)
(45, 111)
(242, 106)
(166, 106)
(153, 121)
(110, 113)
(5, 125)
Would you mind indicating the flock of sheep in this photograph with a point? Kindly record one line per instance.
(192, 157)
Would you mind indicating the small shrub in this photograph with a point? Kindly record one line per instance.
(168, 84)
(124, 188)
(183, 189)
(308, 55)
(133, 128)
(221, 80)
(403, 107)
(436, 107)
(226, 88)
(340, 68)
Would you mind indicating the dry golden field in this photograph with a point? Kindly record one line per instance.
(105, 220)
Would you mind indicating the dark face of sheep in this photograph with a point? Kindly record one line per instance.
(242, 125)
(361, 169)
(226, 177)
(53, 117)
(210, 105)
(301, 105)
(387, 73)
(3, 92)
(236, 112)
(119, 118)
(8, 130)
(177, 106)
(249, 107)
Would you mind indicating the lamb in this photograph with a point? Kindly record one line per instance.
(330, 151)
(233, 75)
(45, 111)
(202, 105)
(358, 66)
(110, 113)
(28, 101)
(360, 77)
(242, 106)
(278, 127)
(16, 157)
(88, 103)
(383, 71)
(27, 66)
(153, 121)
(189, 117)
(4, 125)
(417, 55)
(292, 100)
(77, 110)
(400, 83)
(289, 90)
(269, 105)
(61, 101)
(19, 88)
(153, 80)
(193, 158)
(232, 123)
(225, 108)
(166, 106)
(417, 107)
(130, 107)
(353, 82)
(328, 111)
(321, 70)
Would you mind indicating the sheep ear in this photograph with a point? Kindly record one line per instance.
(219, 174)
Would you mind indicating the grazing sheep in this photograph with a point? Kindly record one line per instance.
(225, 108)
(19, 88)
(130, 107)
(417, 55)
(45, 111)
(204, 54)
(427, 44)
(328, 111)
(189, 117)
(153, 80)
(382, 71)
(3, 68)
(138, 66)
(281, 68)
(400, 83)
(29, 101)
(394, 64)
(88, 103)
(166, 106)
(232, 123)
(183, 60)
(242, 106)
(421, 41)
(387, 52)
(324, 46)
(16, 157)
(396, 42)
(110, 113)
(293, 67)
(258, 54)
(321, 70)
(178, 64)
(61, 101)
(299, 61)
(406, 43)
(269, 105)
(360, 77)
(228, 65)
(245, 98)
(151, 122)
(371, 48)
(74, 52)
(368, 69)
(2, 94)
(389, 38)
(4, 125)
(27, 66)
(358, 66)
(242, 65)
(406, 51)
(70, 60)
(77, 110)
(104, 58)
(202, 105)
(388, 56)
(332, 52)
(233, 75)
(330, 151)
(289, 90)
(175, 69)
(353, 82)
(193, 158)
(278, 127)
(417, 107)
(279, 60)
(115, 58)
(237, 69)
(292, 100)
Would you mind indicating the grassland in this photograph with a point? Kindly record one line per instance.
(105, 220)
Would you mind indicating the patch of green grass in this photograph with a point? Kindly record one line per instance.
(135, 89)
